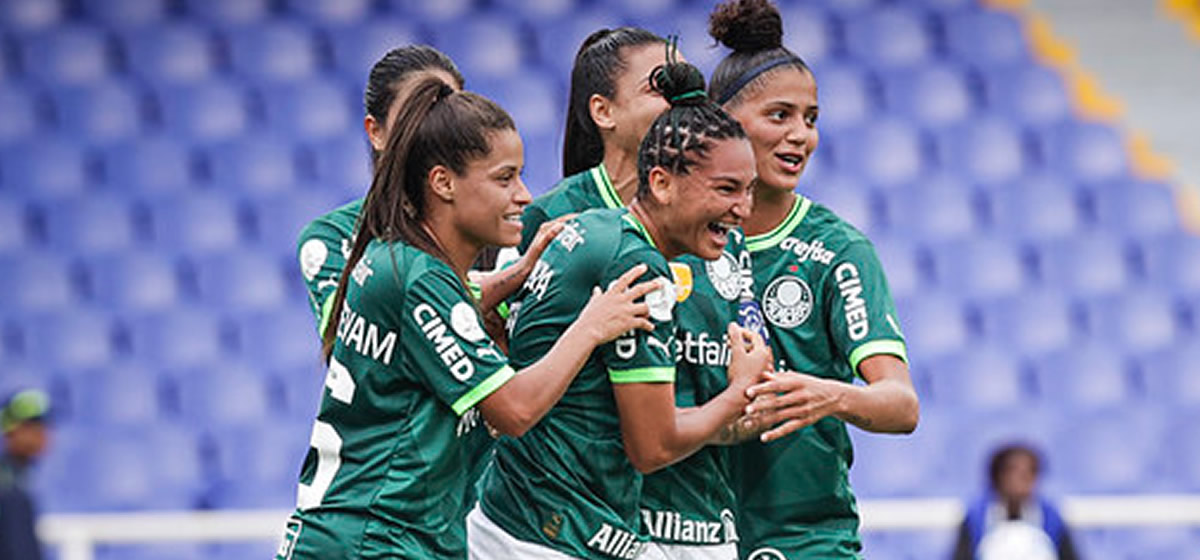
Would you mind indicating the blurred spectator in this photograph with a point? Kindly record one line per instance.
(25, 437)
(1011, 521)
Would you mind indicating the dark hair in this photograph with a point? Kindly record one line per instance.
(601, 58)
(754, 30)
(398, 65)
(1001, 456)
(437, 126)
(688, 127)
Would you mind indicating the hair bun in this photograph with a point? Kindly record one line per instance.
(680, 83)
(747, 25)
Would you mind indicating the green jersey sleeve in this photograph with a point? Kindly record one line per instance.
(531, 220)
(319, 249)
(862, 317)
(452, 353)
(640, 356)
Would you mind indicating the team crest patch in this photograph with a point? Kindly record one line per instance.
(787, 301)
(465, 321)
(291, 534)
(683, 281)
(725, 275)
(766, 553)
(662, 300)
(312, 257)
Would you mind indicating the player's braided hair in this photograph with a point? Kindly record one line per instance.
(397, 66)
(435, 126)
(754, 30)
(683, 134)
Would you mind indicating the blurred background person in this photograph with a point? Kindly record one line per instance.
(25, 439)
(1011, 521)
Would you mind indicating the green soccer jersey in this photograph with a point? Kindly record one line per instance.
(567, 483)
(585, 190)
(826, 301)
(323, 247)
(397, 435)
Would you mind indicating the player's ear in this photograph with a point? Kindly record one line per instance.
(662, 185)
(600, 108)
(375, 133)
(441, 182)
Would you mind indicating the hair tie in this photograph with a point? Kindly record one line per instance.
(753, 73)
(688, 95)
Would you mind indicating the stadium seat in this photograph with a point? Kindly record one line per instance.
(1137, 320)
(980, 377)
(902, 264)
(317, 108)
(980, 267)
(556, 51)
(434, 12)
(544, 13)
(985, 38)
(934, 324)
(341, 163)
(15, 232)
(259, 467)
(340, 12)
(156, 551)
(24, 111)
(887, 465)
(38, 281)
(170, 53)
(1031, 322)
(277, 51)
(253, 164)
(806, 31)
(90, 225)
(887, 152)
(100, 113)
(356, 48)
(533, 99)
(1170, 376)
(207, 111)
(179, 337)
(1112, 450)
(977, 434)
(285, 338)
(1134, 208)
(1185, 449)
(1086, 376)
(890, 36)
(933, 95)
(691, 26)
(483, 45)
(224, 394)
(229, 13)
(1086, 264)
(935, 209)
(847, 97)
(148, 165)
(133, 281)
(194, 222)
(239, 280)
(1088, 152)
(1032, 94)
(70, 338)
(1034, 209)
(279, 218)
(31, 15)
(140, 14)
(117, 394)
(847, 197)
(45, 168)
(987, 150)
(67, 55)
(1173, 262)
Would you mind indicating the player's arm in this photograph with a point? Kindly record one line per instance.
(498, 286)
(521, 402)
(656, 434)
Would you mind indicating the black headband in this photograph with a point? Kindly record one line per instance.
(753, 73)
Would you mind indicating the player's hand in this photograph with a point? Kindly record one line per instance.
(791, 401)
(616, 311)
(545, 234)
(750, 357)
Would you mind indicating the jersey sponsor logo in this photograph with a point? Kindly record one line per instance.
(447, 347)
(571, 236)
(725, 274)
(539, 279)
(469, 420)
(615, 542)
(665, 347)
(788, 301)
(662, 300)
(465, 321)
(766, 553)
(682, 274)
(626, 346)
(804, 251)
(671, 526)
(364, 336)
(850, 286)
(362, 271)
(291, 534)
(730, 525)
(698, 349)
(312, 257)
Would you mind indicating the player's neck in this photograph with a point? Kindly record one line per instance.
(771, 207)
(622, 171)
(461, 251)
(645, 215)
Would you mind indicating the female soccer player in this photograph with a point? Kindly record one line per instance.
(571, 486)
(826, 301)
(397, 434)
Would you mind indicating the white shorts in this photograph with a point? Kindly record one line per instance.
(487, 541)
(661, 551)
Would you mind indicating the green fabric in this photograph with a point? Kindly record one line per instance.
(582, 191)
(322, 249)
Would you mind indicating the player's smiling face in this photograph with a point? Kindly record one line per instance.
(489, 196)
(711, 199)
(780, 117)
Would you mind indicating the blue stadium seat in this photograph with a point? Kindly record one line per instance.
(278, 219)
(133, 281)
(892, 36)
(178, 337)
(846, 97)
(229, 13)
(238, 551)
(483, 45)
(1137, 320)
(240, 280)
(199, 222)
(535, 101)
(556, 51)
(1134, 208)
(31, 15)
(341, 12)
(277, 51)
(1088, 152)
(544, 171)
(887, 465)
(1031, 322)
(356, 48)
(117, 394)
(987, 150)
(229, 394)
(119, 14)
(302, 388)
(978, 433)
(691, 26)
(1170, 376)
(807, 32)
(937, 209)
(1030, 93)
(15, 233)
(45, 168)
(1037, 208)
(1112, 450)
(980, 377)
(90, 225)
(1085, 376)
(1173, 262)
(980, 267)
(986, 38)
(23, 110)
(1085, 265)
(902, 263)
(206, 111)
(154, 551)
(342, 163)
(260, 163)
(1185, 449)
(312, 109)
(646, 10)
(70, 338)
(259, 466)
(67, 55)
(848, 197)
(434, 12)
(149, 164)
(544, 13)
(284, 338)
(934, 324)
(886, 152)
(38, 281)
(171, 53)
(933, 95)
(100, 113)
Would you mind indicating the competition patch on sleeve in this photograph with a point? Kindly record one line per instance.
(683, 281)
(465, 321)
(312, 257)
(661, 301)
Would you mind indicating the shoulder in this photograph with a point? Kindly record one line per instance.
(834, 232)
(333, 225)
(570, 194)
